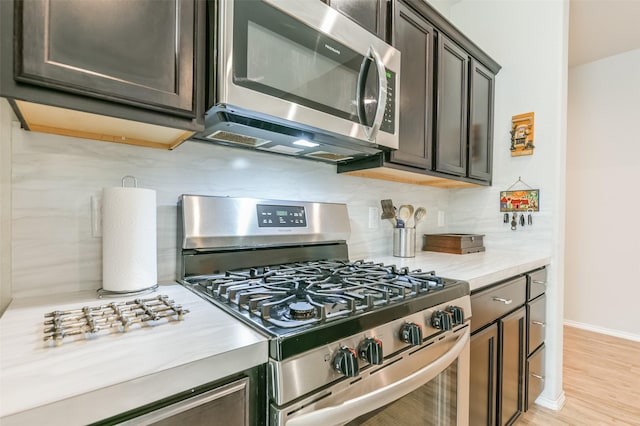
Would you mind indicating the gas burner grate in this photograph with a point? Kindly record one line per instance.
(116, 315)
(327, 289)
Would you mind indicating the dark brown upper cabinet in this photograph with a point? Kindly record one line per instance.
(451, 108)
(138, 62)
(481, 89)
(415, 38)
(373, 15)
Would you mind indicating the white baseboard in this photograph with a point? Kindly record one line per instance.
(602, 330)
(553, 404)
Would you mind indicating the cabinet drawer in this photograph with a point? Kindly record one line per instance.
(537, 323)
(537, 283)
(535, 377)
(491, 304)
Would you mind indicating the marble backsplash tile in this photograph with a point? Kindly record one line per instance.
(54, 178)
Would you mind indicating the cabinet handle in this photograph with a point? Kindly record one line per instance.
(541, 324)
(503, 300)
(544, 283)
(541, 378)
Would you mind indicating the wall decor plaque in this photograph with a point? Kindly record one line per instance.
(522, 134)
(521, 200)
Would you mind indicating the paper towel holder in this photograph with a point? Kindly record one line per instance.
(124, 179)
(119, 293)
(112, 293)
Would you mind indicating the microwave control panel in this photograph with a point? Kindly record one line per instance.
(273, 216)
(389, 120)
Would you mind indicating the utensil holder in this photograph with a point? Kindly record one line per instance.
(404, 242)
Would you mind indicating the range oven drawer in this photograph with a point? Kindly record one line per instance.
(495, 302)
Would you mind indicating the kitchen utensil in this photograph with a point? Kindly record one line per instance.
(522, 219)
(419, 215)
(405, 212)
(399, 222)
(514, 223)
(388, 212)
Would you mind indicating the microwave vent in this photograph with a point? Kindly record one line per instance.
(237, 139)
(282, 149)
(328, 156)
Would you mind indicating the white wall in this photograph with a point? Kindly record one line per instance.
(54, 178)
(603, 163)
(5, 205)
(529, 39)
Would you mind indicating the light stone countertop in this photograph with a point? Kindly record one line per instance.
(86, 380)
(61, 384)
(479, 269)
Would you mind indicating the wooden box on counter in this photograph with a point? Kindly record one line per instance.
(453, 243)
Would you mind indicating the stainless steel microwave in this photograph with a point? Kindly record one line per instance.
(299, 78)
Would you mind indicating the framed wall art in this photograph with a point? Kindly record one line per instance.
(522, 134)
(521, 200)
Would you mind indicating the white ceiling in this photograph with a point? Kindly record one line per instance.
(601, 28)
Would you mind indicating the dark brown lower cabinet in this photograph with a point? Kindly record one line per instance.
(535, 377)
(499, 326)
(536, 314)
(497, 371)
(512, 336)
(484, 370)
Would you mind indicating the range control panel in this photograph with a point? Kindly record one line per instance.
(272, 216)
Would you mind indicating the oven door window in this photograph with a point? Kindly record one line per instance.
(275, 54)
(432, 404)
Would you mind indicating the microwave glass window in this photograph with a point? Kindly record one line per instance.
(283, 64)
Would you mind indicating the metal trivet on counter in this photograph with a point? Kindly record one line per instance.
(121, 315)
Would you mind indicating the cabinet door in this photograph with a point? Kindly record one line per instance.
(453, 81)
(483, 382)
(133, 52)
(480, 122)
(370, 14)
(414, 38)
(510, 393)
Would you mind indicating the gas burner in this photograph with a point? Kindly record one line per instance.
(302, 310)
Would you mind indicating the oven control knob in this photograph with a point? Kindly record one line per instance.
(457, 314)
(346, 362)
(441, 320)
(411, 333)
(371, 351)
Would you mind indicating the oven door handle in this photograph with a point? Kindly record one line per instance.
(353, 408)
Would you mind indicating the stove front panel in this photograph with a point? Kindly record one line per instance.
(314, 369)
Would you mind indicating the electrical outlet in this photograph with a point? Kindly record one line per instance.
(96, 217)
(441, 218)
(373, 217)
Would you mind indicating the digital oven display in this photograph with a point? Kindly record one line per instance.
(270, 216)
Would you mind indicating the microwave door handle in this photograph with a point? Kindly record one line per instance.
(353, 408)
(372, 131)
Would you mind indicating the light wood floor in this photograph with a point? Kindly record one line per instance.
(601, 382)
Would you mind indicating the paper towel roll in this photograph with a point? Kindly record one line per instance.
(129, 247)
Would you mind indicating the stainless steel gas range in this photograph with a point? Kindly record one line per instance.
(351, 342)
